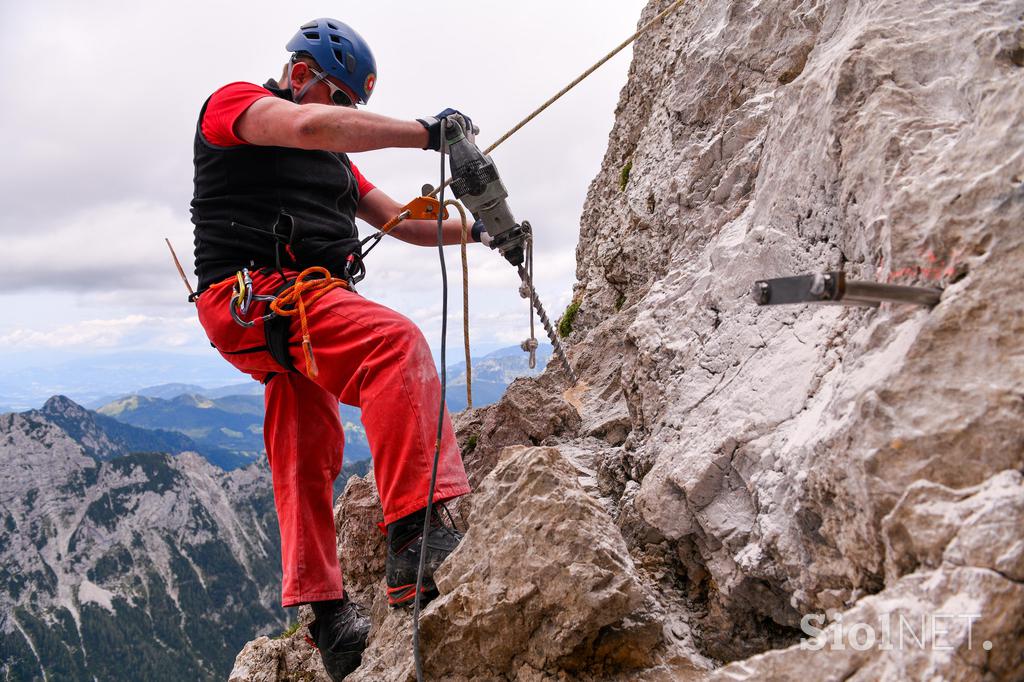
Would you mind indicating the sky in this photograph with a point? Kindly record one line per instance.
(98, 125)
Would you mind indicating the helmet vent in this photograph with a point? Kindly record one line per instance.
(312, 35)
(348, 60)
(334, 38)
(332, 26)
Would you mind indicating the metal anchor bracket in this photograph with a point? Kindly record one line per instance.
(833, 287)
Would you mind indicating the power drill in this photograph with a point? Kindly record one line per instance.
(477, 185)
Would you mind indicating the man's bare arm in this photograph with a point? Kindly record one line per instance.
(377, 208)
(272, 121)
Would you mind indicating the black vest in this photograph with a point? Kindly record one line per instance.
(259, 206)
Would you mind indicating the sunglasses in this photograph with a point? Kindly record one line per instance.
(338, 96)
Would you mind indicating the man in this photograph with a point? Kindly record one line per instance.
(275, 193)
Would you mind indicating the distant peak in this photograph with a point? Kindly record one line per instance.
(62, 405)
(193, 400)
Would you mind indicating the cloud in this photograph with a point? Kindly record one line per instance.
(132, 330)
(118, 246)
(100, 169)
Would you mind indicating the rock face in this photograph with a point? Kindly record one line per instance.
(541, 571)
(953, 606)
(779, 472)
(880, 137)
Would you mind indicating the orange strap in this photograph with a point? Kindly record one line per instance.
(309, 286)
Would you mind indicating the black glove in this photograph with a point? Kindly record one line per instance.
(479, 233)
(433, 126)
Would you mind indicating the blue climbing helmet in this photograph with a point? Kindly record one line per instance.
(339, 51)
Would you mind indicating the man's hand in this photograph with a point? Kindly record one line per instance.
(479, 234)
(433, 126)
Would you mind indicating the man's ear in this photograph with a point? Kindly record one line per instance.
(298, 74)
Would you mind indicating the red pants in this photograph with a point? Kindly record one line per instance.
(370, 357)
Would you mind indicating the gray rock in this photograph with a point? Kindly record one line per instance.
(273, 660)
(883, 138)
(958, 616)
(531, 411)
(932, 525)
(362, 546)
(540, 573)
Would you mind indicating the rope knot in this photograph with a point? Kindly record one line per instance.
(307, 289)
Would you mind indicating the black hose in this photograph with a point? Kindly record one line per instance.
(440, 428)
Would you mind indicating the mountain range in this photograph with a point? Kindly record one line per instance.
(29, 379)
(139, 540)
(233, 423)
(104, 437)
(87, 379)
(225, 423)
(119, 565)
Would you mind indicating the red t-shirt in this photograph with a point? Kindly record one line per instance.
(228, 103)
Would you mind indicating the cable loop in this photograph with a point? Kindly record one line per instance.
(465, 298)
(309, 287)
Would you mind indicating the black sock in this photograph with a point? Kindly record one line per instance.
(324, 608)
(406, 528)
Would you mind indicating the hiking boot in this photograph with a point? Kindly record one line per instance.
(404, 542)
(339, 633)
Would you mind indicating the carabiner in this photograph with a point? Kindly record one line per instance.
(243, 297)
(244, 294)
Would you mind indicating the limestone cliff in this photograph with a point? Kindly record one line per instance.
(724, 471)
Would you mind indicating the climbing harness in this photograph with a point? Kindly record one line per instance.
(294, 296)
(289, 300)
